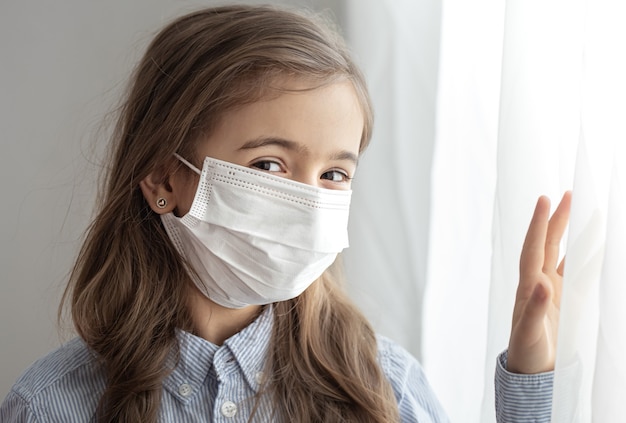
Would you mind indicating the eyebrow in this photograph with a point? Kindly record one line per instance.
(294, 146)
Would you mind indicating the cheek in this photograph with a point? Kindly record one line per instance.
(186, 202)
(185, 192)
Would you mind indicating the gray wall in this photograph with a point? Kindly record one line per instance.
(62, 64)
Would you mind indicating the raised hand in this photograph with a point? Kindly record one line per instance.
(532, 346)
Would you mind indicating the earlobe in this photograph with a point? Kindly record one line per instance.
(158, 194)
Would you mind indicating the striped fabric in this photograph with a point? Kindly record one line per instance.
(532, 401)
(218, 384)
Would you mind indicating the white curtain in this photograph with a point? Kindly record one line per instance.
(482, 107)
(396, 43)
(590, 380)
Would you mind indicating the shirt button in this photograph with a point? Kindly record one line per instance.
(229, 409)
(185, 390)
(259, 377)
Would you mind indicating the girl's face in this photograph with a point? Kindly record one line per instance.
(309, 136)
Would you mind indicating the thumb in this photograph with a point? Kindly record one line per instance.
(531, 322)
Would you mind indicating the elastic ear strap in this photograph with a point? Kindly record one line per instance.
(189, 165)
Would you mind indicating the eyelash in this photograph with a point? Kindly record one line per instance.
(259, 165)
(344, 175)
(256, 164)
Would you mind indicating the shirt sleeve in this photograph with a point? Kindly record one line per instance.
(416, 400)
(15, 409)
(522, 398)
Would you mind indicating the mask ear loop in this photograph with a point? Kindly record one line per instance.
(188, 164)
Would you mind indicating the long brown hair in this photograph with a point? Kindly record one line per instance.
(128, 290)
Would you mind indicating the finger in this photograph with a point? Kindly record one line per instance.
(561, 267)
(557, 284)
(532, 257)
(556, 228)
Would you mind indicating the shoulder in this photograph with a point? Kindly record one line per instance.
(401, 368)
(416, 400)
(58, 367)
(59, 383)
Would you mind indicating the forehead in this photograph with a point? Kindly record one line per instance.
(318, 117)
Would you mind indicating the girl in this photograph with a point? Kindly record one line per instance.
(207, 288)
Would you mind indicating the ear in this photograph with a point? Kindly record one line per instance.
(158, 193)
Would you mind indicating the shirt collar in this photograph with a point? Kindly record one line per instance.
(249, 347)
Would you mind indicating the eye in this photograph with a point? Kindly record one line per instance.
(336, 176)
(268, 166)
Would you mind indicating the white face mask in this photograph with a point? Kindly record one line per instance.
(256, 238)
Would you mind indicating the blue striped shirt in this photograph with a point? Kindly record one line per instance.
(219, 384)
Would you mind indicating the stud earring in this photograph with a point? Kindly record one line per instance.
(161, 203)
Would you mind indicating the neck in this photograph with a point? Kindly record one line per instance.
(215, 323)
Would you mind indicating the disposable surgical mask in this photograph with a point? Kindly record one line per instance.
(255, 238)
